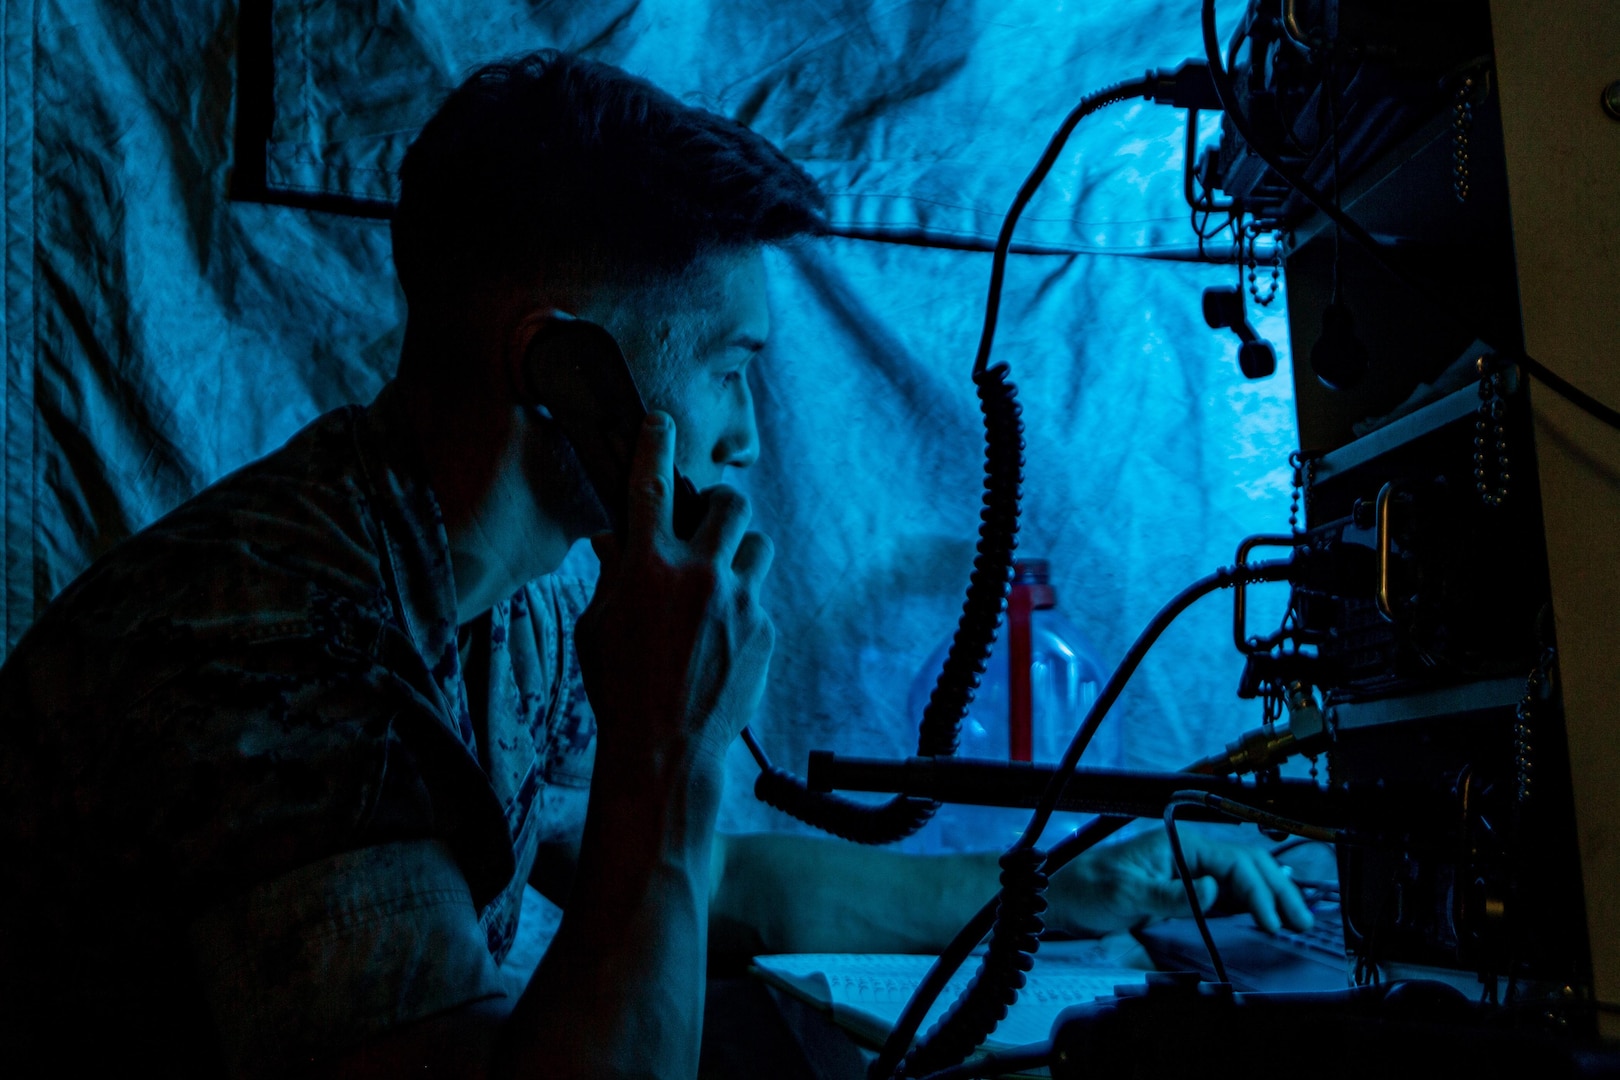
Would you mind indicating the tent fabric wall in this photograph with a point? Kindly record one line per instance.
(159, 334)
(921, 115)
(17, 418)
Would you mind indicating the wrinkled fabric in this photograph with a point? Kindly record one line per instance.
(919, 115)
(261, 683)
(160, 334)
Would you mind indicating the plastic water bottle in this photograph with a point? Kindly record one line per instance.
(1041, 680)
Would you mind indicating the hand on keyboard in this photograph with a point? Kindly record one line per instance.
(1123, 885)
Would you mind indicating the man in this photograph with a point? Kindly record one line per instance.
(276, 770)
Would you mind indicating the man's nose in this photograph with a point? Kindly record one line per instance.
(739, 445)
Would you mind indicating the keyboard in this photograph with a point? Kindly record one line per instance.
(1326, 935)
(1254, 959)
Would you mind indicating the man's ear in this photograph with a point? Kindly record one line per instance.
(525, 351)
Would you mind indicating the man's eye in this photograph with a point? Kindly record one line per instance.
(729, 378)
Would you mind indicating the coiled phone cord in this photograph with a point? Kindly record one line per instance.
(1065, 851)
(970, 648)
(969, 654)
(994, 989)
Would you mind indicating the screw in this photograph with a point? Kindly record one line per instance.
(1611, 100)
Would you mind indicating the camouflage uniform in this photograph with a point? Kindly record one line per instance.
(248, 813)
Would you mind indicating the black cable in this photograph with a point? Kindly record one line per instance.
(1223, 90)
(1019, 1059)
(755, 749)
(1242, 812)
(998, 267)
(1184, 872)
(968, 938)
(983, 1004)
(1566, 390)
(970, 648)
(1264, 818)
(1270, 570)
(862, 823)
(992, 564)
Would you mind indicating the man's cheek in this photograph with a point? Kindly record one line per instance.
(703, 472)
(694, 439)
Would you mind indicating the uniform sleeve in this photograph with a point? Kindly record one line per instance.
(339, 951)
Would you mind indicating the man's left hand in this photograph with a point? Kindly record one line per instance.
(1122, 885)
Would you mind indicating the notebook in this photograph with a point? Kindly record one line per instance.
(865, 993)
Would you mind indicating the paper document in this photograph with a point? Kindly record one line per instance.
(866, 993)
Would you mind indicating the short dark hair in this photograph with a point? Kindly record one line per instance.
(550, 160)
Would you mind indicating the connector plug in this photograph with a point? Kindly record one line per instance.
(1188, 87)
(1267, 747)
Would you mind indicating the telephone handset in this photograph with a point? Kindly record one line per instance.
(585, 384)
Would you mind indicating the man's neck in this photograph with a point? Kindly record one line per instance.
(480, 464)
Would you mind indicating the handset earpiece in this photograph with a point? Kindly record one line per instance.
(575, 370)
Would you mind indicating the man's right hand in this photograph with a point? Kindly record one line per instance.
(674, 646)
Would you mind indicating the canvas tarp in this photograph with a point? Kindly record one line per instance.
(159, 333)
